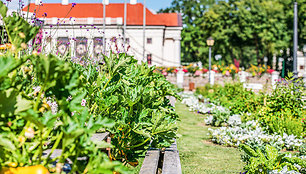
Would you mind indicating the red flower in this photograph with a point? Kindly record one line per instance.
(205, 70)
(185, 70)
(270, 71)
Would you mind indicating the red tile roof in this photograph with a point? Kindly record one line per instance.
(113, 10)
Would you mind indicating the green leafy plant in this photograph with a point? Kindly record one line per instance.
(136, 98)
(50, 103)
(220, 118)
(19, 31)
(282, 111)
(259, 161)
(233, 96)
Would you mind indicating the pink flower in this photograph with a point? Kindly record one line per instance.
(270, 71)
(227, 73)
(198, 72)
(83, 102)
(165, 73)
(185, 70)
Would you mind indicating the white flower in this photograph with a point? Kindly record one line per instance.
(69, 98)
(234, 120)
(29, 133)
(83, 102)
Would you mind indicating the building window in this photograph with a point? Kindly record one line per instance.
(149, 59)
(301, 67)
(81, 47)
(98, 46)
(149, 40)
(62, 45)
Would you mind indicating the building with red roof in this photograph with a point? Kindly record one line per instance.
(79, 29)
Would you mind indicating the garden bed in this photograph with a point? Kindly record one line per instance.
(253, 136)
(52, 108)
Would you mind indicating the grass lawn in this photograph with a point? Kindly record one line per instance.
(197, 153)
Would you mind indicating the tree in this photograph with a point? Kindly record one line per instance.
(247, 30)
(192, 15)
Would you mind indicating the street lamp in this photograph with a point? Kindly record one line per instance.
(295, 40)
(104, 2)
(210, 42)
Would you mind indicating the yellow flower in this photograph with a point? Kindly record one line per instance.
(21, 34)
(21, 139)
(23, 45)
(2, 47)
(13, 164)
(34, 53)
(13, 48)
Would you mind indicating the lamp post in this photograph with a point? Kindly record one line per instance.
(124, 25)
(210, 42)
(295, 40)
(144, 30)
(104, 2)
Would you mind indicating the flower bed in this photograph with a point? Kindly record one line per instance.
(249, 136)
(230, 70)
(51, 103)
(249, 132)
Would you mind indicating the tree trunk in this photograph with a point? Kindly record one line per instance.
(257, 49)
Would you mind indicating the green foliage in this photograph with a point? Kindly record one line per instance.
(122, 97)
(283, 109)
(247, 30)
(280, 112)
(125, 98)
(269, 159)
(220, 118)
(19, 31)
(233, 96)
(135, 98)
(193, 44)
(302, 150)
(20, 112)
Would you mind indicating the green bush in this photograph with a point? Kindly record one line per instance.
(136, 98)
(282, 111)
(220, 118)
(269, 159)
(233, 96)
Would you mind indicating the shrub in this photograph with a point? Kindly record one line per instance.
(282, 111)
(233, 96)
(270, 160)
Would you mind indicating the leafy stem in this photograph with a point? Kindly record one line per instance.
(59, 138)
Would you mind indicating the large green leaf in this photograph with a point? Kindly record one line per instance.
(19, 30)
(7, 143)
(3, 9)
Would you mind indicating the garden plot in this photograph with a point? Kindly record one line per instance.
(51, 108)
(236, 133)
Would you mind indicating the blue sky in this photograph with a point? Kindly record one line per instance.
(151, 4)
